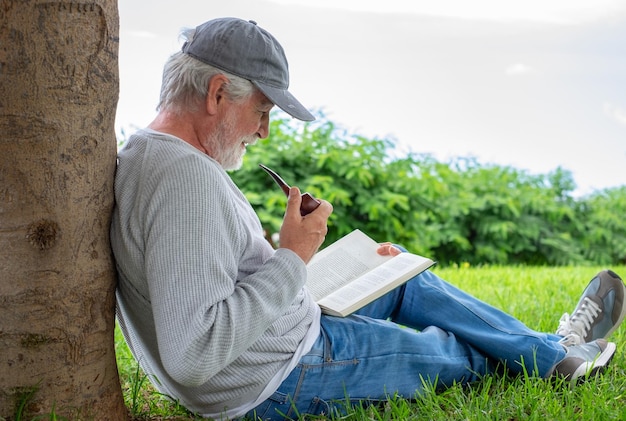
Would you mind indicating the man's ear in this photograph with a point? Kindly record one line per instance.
(215, 93)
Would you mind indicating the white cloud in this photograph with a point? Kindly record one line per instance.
(615, 112)
(518, 69)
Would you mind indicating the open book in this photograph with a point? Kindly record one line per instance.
(350, 274)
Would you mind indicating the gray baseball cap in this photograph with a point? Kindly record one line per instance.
(246, 50)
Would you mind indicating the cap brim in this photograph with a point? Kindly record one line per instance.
(283, 99)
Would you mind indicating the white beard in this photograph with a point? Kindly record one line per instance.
(226, 149)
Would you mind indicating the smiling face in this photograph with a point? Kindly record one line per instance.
(242, 123)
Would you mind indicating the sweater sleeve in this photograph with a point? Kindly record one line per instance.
(207, 311)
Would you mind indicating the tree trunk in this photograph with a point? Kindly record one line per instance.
(58, 94)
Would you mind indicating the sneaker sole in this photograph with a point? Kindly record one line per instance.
(597, 366)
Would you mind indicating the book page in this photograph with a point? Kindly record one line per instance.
(341, 262)
(376, 282)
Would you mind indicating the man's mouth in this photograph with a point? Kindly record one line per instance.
(249, 141)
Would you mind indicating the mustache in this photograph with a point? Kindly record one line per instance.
(249, 140)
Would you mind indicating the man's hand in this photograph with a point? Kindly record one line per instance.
(388, 249)
(304, 234)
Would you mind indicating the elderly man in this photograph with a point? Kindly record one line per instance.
(224, 323)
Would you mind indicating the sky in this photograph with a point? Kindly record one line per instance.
(532, 84)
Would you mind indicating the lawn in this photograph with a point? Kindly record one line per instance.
(536, 295)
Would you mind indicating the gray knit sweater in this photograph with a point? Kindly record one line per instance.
(208, 308)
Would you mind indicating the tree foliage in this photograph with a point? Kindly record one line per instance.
(457, 211)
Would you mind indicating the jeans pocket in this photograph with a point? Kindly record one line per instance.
(280, 407)
(273, 408)
(339, 408)
(318, 407)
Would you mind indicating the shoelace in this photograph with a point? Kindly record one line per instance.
(574, 329)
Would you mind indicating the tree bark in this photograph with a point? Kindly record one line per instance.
(58, 95)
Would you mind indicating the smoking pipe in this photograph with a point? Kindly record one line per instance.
(309, 203)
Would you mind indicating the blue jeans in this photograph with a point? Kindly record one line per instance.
(426, 332)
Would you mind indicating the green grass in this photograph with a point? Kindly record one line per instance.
(537, 296)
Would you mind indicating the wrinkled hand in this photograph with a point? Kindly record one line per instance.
(388, 249)
(304, 234)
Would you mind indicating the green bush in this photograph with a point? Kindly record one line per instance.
(603, 230)
(458, 211)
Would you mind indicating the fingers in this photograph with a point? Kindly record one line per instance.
(304, 235)
(294, 201)
(388, 249)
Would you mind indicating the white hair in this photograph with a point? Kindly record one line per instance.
(186, 80)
